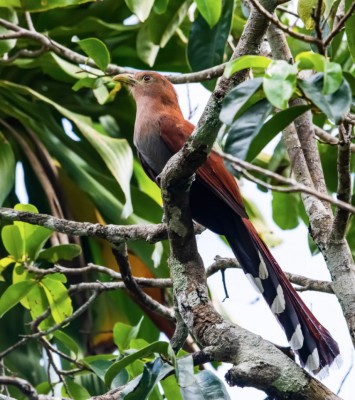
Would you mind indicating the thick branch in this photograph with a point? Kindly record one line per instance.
(335, 250)
(344, 181)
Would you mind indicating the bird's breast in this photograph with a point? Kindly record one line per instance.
(150, 145)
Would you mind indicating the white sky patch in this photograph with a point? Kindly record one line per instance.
(20, 188)
(68, 129)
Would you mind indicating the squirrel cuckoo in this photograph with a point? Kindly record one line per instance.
(160, 131)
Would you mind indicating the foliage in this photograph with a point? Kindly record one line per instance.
(70, 128)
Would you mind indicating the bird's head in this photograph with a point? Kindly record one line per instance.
(149, 84)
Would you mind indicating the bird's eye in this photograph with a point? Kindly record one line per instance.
(147, 78)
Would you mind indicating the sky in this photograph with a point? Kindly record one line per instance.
(246, 307)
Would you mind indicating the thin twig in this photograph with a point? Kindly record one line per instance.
(293, 186)
(121, 256)
(275, 21)
(25, 387)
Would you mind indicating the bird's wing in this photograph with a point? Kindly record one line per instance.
(212, 173)
(152, 175)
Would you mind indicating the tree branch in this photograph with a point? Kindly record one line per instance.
(293, 186)
(344, 181)
(121, 255)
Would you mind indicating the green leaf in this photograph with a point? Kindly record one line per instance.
(96, 50)
(60, 252)
(272, 127)
(333, 77)
(155, 347)
(33, 236)
(86, 82)
(4, 263)
(306, 11)
(336, 105)
(237, 98)
(67, 340)
(77, 391)
(44, 5)
(160, 6)
(13, 294)
(282, 202)
(171, 388)
(101, 92)
(9, 15)
(245, 128)
(10, 3)
(350, 29)
(245, 62)
(37, 303)
(185, 376)
(148, 381)
(116, 153)
(123, 334)
(310, 60)
(210, 10)
(206, 45)
(212, 387)
(280, 83)
(13, 242)
(163, 27)
(58, 299)
(146, 49)
(140, 8)
(7, 168)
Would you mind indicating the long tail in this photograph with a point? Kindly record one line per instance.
(316, 349)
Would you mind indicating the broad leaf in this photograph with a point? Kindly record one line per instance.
(206, 45)
(245, 128)
(37, 303)
(155, 347)
(310, 60)
(333, 77)
(146, 49)
(33, 236)
(40, 5)
(189, 387)
(116, 153)
(336, 105)
(237, 98)
(13, 241)
(282, 202)
(60, 252)
(140, 8)
(76, 391)
(67, 340)
(7, 168)
(212, 387)
(245, 62)
(148, 381)
(280, 83)
(58, 299)
(13, 294)
(210, 10)
(163, 27)
(97, 51)
(123, 334)
(272, 127)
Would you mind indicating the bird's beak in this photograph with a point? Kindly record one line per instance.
(128, 79)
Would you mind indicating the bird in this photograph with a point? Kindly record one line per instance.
(160, 131)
